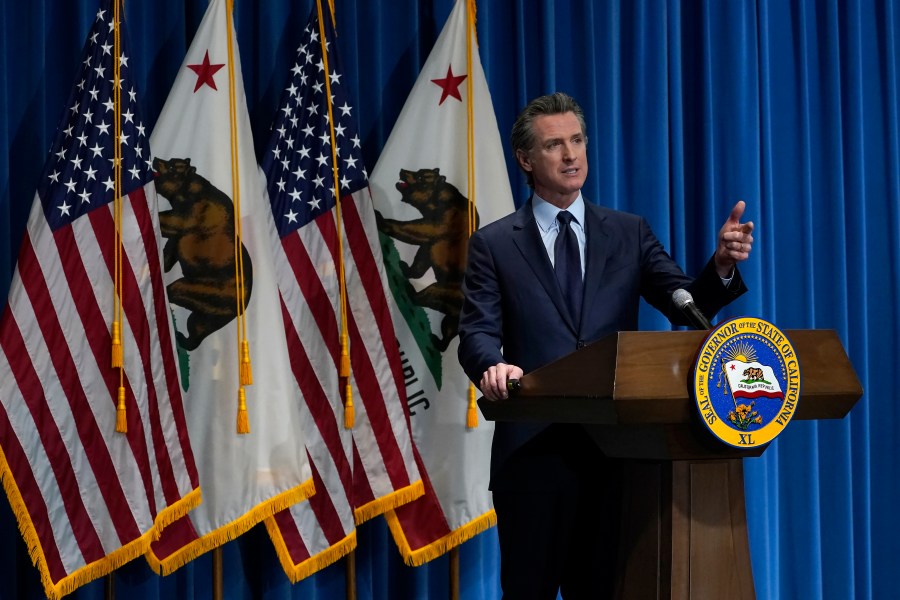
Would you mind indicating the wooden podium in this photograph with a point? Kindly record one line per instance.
(684, 526)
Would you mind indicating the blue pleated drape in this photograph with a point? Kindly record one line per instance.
(790, 105)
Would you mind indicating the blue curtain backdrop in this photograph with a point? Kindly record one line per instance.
(792, 106)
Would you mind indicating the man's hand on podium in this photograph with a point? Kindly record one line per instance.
(493, 382)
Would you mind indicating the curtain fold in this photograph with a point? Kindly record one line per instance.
(790, 105)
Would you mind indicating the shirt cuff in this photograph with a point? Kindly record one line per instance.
(726, 281)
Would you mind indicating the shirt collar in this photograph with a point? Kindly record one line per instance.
(545, 213)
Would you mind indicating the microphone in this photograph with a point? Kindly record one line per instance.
(685, 303)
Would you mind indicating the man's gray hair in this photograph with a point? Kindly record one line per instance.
(522, 137)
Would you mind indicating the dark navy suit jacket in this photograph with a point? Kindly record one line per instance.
(514, 311)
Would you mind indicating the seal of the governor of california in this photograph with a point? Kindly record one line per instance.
(746, 382)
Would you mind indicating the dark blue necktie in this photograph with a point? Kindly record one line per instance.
(568, 264)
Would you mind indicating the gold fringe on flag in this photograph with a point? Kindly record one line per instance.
(313, 564)
(415, 558)
(381, 505)
(231, 531)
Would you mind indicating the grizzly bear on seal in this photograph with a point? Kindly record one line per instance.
(200, 237)
(442, 235)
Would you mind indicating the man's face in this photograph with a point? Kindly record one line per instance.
(558, 160)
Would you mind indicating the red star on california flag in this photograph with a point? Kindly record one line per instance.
(205, 72)
(449, 85)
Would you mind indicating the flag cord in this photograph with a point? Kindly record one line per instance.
(245, 372)
(471, 410)
(118, 360)
(349, 411)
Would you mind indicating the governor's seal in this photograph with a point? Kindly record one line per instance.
(746, 382)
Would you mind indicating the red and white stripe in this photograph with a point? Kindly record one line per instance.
(306, 270)
(373, 468)
(89, 491)
(382, 439)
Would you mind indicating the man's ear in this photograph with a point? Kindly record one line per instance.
(524, 160)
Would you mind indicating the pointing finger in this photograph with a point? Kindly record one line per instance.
(737, 212)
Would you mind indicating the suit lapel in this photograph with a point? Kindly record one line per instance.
(596, 253)
(527, 239)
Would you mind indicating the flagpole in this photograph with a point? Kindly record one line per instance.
(454, 573)
(109, 587)
(217, 587)
(350, 565)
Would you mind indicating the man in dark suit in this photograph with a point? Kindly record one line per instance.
(541, 283)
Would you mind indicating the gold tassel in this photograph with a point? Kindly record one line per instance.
(243, 419)
(349, 411)
(116, 346)
(246, 367)
(345, 357)
(121, 421)
(472, 412)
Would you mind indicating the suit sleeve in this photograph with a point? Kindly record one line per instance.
(710, 294)
(481, 319)
(662, 276)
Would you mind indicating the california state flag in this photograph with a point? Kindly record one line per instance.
(752, 380)
(219, 278)
(443, 154)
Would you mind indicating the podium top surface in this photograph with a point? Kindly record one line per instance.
(640, 378)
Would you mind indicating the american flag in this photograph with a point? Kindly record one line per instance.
(374, 470)
(87, 497)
